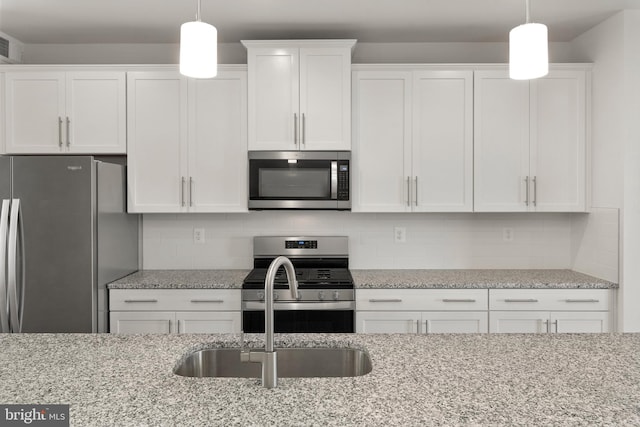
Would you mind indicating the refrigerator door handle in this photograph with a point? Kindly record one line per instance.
(15, 306)
(4, 230)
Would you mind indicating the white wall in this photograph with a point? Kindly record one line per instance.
(613, 47)
(433, 240)
(235, 53)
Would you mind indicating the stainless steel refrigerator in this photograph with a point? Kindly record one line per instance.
(64, 235)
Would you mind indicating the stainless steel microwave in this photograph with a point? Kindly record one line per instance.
(299, 180)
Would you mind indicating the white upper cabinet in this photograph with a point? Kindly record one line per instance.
(187, 142)
(65, 112)
(299, 94)
(382, 141)
(412, 146)
(442, 148)
(530, 142)
(157, 134)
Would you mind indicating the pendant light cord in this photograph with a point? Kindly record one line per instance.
(198, 11)
(528, 12)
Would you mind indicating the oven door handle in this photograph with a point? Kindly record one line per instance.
(288, 306)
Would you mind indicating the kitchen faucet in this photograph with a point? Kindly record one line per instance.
(268, 358)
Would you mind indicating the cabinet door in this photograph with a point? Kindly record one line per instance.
(141, 322)
(387, 322)
(204, 322)
(580, 322)
(558, 142)
(35, 112)
(96, 112)
(382, 141)
(157, 141)
(501, 142)
(442, 149)
(325, 98)
(518, 322)
(273, 98)
(455, 322)
(218, 143)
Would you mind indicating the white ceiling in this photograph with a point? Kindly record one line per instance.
(158, 21)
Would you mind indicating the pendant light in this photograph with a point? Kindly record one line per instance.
(528, 50)
(198, 49)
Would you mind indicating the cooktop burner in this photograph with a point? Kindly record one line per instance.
(308, 278)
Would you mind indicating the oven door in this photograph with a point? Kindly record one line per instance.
(313, 317)
(298, 180)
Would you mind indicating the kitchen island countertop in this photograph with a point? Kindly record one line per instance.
(377, 279)
(545, 379)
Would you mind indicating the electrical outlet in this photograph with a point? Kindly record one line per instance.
(507, 234)
(198, 235)
(399, 234)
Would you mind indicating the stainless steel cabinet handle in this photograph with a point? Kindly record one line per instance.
(216, 301)
(417, 326)
(68, 137)
(535, 191)
(408, 191)
(139, 300)
(526, 186)
(304, 131)
(190, 191)
(427, 326)
(458, 300)
(4, 233)
(385, 300)
(555, 322)
(60, 131)
(416, 191)
(295, 129)
(520, 300)
(582, 300)
(546, 324)
(182, 191)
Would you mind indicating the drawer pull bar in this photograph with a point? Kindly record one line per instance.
(521, 300)
(385, 300)
(140, 300)
(217, 301)
(458, 300)
(582, 300)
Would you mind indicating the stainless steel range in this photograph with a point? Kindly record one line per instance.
(326, 300)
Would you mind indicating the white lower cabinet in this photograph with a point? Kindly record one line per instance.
(549, 311)
(421, 311)
(166, 311)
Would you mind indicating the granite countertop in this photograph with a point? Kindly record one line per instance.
(182, 279)
(480, 279)
(372, 279)
(475, 379)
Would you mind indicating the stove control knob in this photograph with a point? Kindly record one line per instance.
(321, 295)
(336, 295)
(261, 295)
(276, 296)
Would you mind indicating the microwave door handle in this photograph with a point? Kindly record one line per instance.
(334, 180)
(4, 232)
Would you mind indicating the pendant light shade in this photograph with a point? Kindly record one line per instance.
(198, 49)
(528, 50)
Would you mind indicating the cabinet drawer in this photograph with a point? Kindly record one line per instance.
(174, 299)
(421, 299)
(549, 299)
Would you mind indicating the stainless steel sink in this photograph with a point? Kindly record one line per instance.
(292, 362)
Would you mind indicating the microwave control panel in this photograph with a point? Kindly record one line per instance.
(343, 180)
